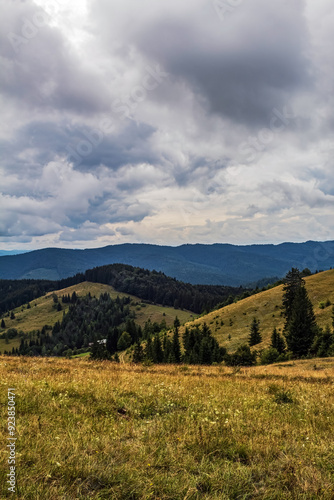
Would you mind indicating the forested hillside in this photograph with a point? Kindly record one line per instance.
(231, 324)
(148, 285)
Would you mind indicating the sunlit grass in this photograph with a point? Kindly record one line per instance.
(235, 320)
(107, 431)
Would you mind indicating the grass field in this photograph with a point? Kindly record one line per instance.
(99, 430)
(266, 306)
(44, 313)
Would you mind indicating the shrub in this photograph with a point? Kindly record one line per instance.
(242, 357)
(269, 356)
(281, 395)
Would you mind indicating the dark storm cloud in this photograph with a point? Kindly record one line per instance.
(242, 67)
(49, 140)
(130, 145)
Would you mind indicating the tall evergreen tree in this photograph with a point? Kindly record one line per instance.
(148, 349)
(112, 338)
(255, 336)
(176, 349)
(301, 328)
(157, 352)
(292, 283)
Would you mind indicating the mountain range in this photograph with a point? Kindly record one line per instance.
(219, 264)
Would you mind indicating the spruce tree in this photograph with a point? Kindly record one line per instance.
(148, 349)
(292, 283)
(112, 338)
(157, 352)
(301, 328)
(205, 351)
(176, 349)
(255, 336)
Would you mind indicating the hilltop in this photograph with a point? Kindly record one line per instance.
(42, 311)
(234, 320)
(152, 286)
(217, 264)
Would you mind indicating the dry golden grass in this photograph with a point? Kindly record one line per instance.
(266, 306)
(106, 431)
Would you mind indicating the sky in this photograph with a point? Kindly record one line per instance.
(166, 122)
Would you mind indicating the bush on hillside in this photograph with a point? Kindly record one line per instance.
(242, 357)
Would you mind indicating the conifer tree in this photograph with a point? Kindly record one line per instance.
(148, 349)
(112, 339)
(3, 324)
(157, 352)
(301, 328)
(176, 349)
(323, 344)
(255, 336)
(138, 353)
(277, 342)
(292, 283)
(167, 348)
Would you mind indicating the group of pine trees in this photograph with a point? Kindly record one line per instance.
(302, 336)
(87, 321)
(199, 347)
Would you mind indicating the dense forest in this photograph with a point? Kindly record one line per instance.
(87, 321)
(152, 286)
(105, 326)
(14, 293)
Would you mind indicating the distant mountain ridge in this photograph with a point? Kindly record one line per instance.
(218, 264)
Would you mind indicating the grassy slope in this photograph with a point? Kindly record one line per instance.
(45, 314)
(107, 431)
(266, 306)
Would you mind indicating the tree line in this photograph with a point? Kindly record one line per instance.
(152, 286)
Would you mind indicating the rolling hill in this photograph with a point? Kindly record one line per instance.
(43, 312)
(234, 320)
(220, 264)
(230, 324)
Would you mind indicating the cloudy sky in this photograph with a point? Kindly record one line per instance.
(166, 122)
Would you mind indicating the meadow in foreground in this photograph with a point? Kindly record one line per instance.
(119, 431)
